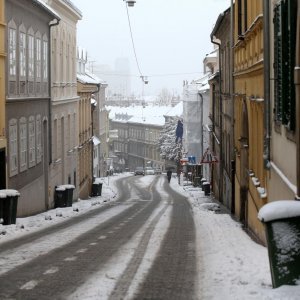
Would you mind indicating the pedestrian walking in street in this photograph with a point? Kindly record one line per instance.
(169, 174)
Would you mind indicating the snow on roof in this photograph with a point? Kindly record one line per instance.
(48, 8)
(202, 83)
(8, 193)
(282, 209)
(95, 77)
(152, 115)
(84, 78)
(176, 111)
(150, 120)
(212, 54)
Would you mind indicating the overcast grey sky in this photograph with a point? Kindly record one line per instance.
(170, 36)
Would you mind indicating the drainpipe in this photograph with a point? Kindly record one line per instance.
(297, 87)
(231, 71)
(221, 123)
(267, 102)
(55, 22)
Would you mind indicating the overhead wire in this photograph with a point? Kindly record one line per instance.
(133, 46)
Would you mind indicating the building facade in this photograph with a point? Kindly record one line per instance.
(120, 144)
(251, 175)
(223, 112)
(2, 97)
(283, 146)
(142, 145)
(28, 101)
(100, 130)
(64, 99)
(87, 85)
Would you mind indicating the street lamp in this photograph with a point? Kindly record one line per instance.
(130, 3)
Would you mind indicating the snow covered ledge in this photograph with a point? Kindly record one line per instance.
(281, 209)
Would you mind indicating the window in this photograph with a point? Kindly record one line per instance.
(45, 60)
(284, 62)
(38, 59)
(38, 123)
(30, 57)
(13, 147)
(31, 129)
(22, 54)
(242, 14)
(12, 52)
(23, 143)
(54, 140)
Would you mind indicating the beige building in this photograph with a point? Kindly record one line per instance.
(283, 144)
(64, 104)
(2, 97)
(87, 86)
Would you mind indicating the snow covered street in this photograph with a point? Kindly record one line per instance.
(229, 264)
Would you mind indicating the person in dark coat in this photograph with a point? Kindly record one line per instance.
(179, 131)
(169, 174)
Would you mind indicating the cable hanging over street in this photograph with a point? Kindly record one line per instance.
(130, 4)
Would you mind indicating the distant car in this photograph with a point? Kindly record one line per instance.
(149, 171)
(139, 171)
(157, 171)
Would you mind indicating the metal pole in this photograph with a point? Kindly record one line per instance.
(267, 129)
(297, 87)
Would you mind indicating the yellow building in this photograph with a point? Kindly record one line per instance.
(251, 176)
(2, 97)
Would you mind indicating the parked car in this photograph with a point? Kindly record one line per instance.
(139, 171)
(157, 171)
(149, 171)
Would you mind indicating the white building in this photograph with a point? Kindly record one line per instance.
(64, 104)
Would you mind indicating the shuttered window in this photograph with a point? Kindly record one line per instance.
(284, 62)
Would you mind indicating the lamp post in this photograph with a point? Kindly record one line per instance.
(130, 3)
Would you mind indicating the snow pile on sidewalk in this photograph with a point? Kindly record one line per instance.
(53, 216)
(230, 264)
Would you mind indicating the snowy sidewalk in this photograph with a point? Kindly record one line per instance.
(230, 264)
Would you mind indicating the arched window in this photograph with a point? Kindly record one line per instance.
(38, 122)
(38, 61)
(13, 147)
(12, 49)
(45, 65)
(23, 143)
(31, 129)
(30, 54)
(22, 51)
(45, 58)
(12, 58)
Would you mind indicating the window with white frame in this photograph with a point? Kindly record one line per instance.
(23, 143)
(30, 57)
(38, 128)
(12, 52)
(22, 54)
(38, 63)
(13, 147)
(54, 140)
(45, 60)
(31, 129)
